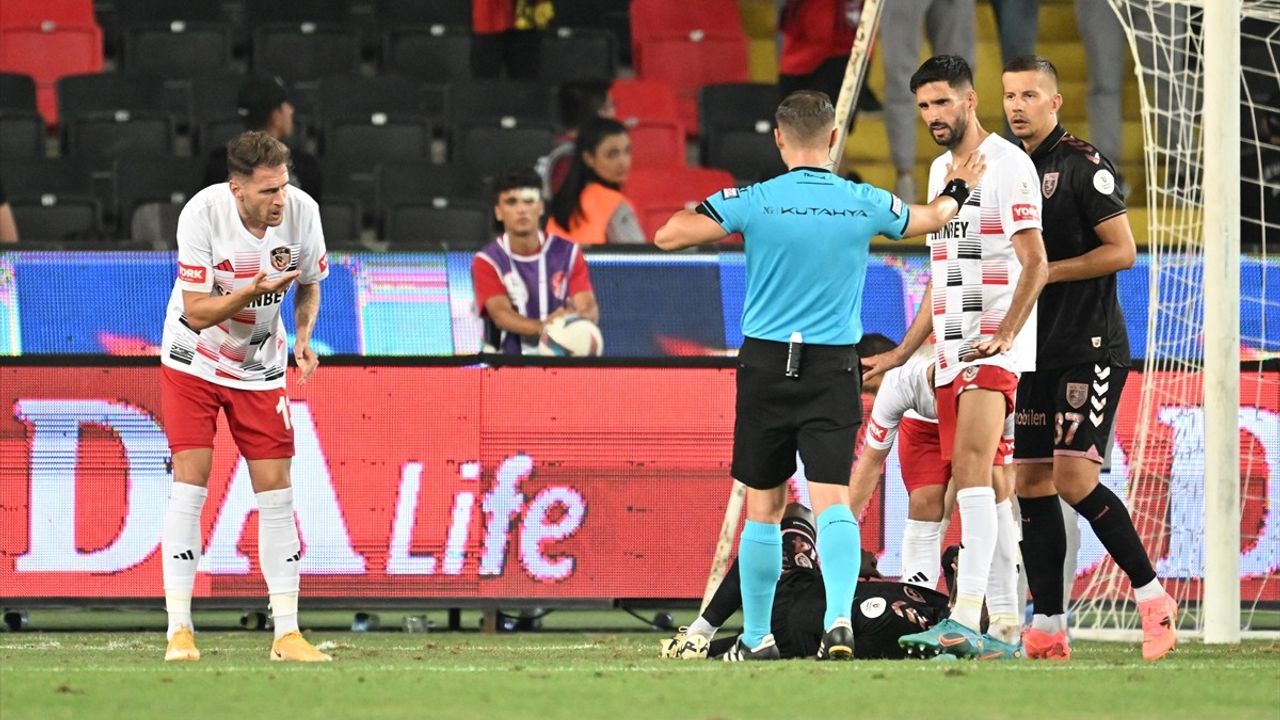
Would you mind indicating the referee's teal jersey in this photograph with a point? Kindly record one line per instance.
(807, 235)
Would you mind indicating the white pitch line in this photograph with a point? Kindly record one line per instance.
(115, 646)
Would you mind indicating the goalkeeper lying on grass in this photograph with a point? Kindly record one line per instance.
(882, 611)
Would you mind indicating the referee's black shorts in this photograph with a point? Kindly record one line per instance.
(817, 414)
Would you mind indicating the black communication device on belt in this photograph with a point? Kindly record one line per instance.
(794, 349)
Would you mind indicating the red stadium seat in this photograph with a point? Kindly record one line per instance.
(655, 19)
(656, 143)
(46, 14)
(47, 55)
(688, 64)
(656, 193)
(636, 100)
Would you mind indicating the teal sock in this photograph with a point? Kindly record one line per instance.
(759, 567)
(840, 552)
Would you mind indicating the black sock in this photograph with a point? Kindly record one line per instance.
(1113, 526)
(1044, 551)
(727, 599)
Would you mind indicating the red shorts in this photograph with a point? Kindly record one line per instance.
(973, 377)
(259, 419)
(920, 455)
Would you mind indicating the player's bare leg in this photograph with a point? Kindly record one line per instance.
(840, 552)
(180, 546)
(1044, 551)
(922, 536)
(759, 566)
(280, 555)
(1077, 481)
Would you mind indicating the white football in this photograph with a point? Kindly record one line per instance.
(571, 336)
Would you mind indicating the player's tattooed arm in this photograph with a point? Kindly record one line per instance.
(921, 327)
(306, 303)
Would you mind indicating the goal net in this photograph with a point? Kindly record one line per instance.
(1164, 468)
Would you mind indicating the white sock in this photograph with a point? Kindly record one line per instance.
(1150, 591)
(1049, 623)
(703, 628)
(921, 553)
(977, 546)
(279, 555)
(1002, 585)
(180, 551)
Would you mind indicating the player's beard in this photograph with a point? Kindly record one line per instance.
(954, 133)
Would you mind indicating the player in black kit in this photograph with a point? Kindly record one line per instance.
(1065, 409)
(882, 611)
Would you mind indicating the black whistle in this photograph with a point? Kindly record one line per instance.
(794, 348)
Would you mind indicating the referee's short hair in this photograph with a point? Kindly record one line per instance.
(951, 69)
(1032, 63)
(806, 115)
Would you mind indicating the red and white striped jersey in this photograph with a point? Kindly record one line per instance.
(218, 255)
(975, 268)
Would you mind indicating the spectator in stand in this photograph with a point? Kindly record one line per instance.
(526, 278)
(1018, 24)
(263, 104)
(505, 36)
(579, 102)
(950, 27)
(590, 208)
(1105, 49)
(8, 228)
(817, 36)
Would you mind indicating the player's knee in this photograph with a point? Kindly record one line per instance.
(926, 504)
(1034, 480)
(1074, 478)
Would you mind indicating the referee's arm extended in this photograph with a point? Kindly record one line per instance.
(688, 228)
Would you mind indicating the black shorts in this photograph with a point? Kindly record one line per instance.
(817, 414)
(1066, 411)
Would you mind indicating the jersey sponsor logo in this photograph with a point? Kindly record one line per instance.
(1025, 211)
(1104, 182)
(878, 432)
(191, 273)
(953, 229)
(1049, 185)
(1030, 418)
(1077, 393)
(828, 212)
(265, 301)
(280, 257)
(872, 608)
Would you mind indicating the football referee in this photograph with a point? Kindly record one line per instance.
(1065, 409)
(807, 236)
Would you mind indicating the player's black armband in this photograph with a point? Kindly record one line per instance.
(957, 190)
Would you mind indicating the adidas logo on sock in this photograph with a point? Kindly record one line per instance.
(918, 578)
(296, 557)
(185, 555)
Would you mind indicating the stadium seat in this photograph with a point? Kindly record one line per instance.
(489, 149)
(432, 53)
(22, 134)
(177, 49)
(670, 19)
(456, 13)
(153, 225)
(17, 92)
(337, 12)
(657, 193)
(611, 15)
(440, 222)
(218, 132)
(751, 156)
(656, 143)
(362, 142)
(108, 92)
(577, 54)
(340, 220)
(47, 55)
(744, 107)
(305, 52)
(688, 64)
(490, 101)
(33, 177)
(356, 95)
(101, 138)
(46, 13)
(142, 180)
(644, 100)
(54, 217)
(416, 182)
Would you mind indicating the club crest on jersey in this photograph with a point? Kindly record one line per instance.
(970, 373)
(873, 608)
(280, 258)
(1049, 185)
(1077, 393)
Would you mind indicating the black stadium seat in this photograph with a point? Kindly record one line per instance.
(490, 101)
(740, 107)
(424, 12)
(177, 49)
(340, 218)
(21, 134)
(101, 138)
(305, 52)
(38, 176)
(410, 182)
(17, 92)
(143, 180)
(108, 92)
(432, 53)
(440, 222)
(362, 142)
(488, 149)
(577, 54)
(55, 217)
(356, 95)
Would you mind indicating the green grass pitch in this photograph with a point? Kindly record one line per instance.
(613, 674)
